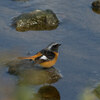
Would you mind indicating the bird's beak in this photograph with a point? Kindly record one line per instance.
(59, 44)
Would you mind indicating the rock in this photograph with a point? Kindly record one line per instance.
(96, 10)
(36, 20)
(33, 75)
(96, 91)
(96, 6)
(14, 66)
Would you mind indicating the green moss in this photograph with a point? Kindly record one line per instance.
(33, 75)
(96, 91)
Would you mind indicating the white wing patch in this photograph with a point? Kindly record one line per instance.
(44, 57)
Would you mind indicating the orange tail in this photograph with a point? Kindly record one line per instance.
(31, 57)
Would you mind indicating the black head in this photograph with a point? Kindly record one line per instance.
(53, 46)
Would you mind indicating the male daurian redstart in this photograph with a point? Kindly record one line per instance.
(47, 57)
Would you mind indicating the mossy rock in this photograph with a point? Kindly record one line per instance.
(96, 91)
(36, 20)
(96, 6)
(33, 75)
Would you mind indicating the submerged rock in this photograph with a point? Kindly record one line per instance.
(87, 94)
(96, 6)
(36, 20)
(35, 75)
(96, 91)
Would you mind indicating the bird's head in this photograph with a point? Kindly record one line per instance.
(53, 46)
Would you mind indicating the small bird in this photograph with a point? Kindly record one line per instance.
(47, 57)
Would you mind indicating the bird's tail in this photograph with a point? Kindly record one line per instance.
(31, 57)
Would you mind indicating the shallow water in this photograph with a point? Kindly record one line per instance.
(79, 33)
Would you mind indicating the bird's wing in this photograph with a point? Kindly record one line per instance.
(41, 59)
(46, 56)
(49, 54)
(42, 56)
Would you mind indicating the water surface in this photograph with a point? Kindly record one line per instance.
(79, 33)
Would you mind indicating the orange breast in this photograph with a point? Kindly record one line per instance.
(50, 63)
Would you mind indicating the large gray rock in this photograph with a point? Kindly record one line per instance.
(36, 20)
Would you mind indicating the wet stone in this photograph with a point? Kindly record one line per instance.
(96, 91)
(96, 6)
(33, 75)
(36, 20)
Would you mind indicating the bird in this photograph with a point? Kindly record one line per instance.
(47, 57)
